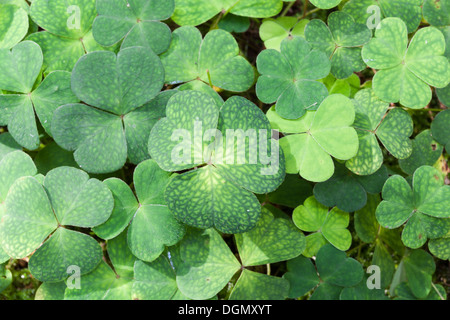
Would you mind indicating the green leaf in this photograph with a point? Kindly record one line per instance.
(423, 207)
(323, 135)
(64, 19)
(7, 144)
(437, 13)
(195, 12)
(302, 276)
(362, 292)
(63, 249)
(288, 77)
(51, 291)
(335, 268)
(77, 200)
(209, 60)
(425, 151)
(206, 264)
(232, 23)
(221, 167)
(392, 129)
(5, 278)
(383, 259)
(314, 217)
(118, 87)
(406, 73)
(274, 31)
(325, 4)
(27, 207)
(13, 25)
(440, 128)
(348, 191)
(419, 267)
(340, 40)
(403, 292)
(106, 283)
(53, 156)
(292, 192)
(153, 227)
(154, 281)
(440, 247)
(274, 239)
(366, 224)
(257, 286)
(136, 22)
(368, 11)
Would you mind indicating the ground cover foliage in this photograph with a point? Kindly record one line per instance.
(348, 198)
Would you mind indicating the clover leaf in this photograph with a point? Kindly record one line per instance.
(274, 31)
(5, 278)
(205, 265)
(258, 286)
(14, 165)
(373, 11)
(403, 292)
(13, 25)
(419, 268)
(106, 282)
(195, 12)
(67, 198)
(137, 22)
(348, 191)
(425, 151)
(232, 23)
(405, 73)
(218, 147)
(258, 246)
(51, 291)
(335, 272)
(288, 77)
(424, 208)
(362, 292)
(440, 247)
(318, 136)
(440, 128)
(21, 68)
(154, 281)
(392, 129)
(325, 226)
(341, 40)
(153, 226)
(68, 31)
(437, 13)
(120, 112)
(348, 87)
(7, 145)
(209, 60)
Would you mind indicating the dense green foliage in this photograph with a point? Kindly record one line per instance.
(118, 179)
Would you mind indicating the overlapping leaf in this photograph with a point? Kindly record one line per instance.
(325, 226)
(227, 163)
(209, 60)
(195, 12)
(288, 77)
(67, 198)
(440, 128)
(392, 129)
(274, 31)
(67, 31)
(114, 125)
(153, 226)
(348, 191)
(13, 25)
(424, 208)
(21, 69)
(407, 72)
(137, 22)
(373, 11)
(318, 136)
(341, 40)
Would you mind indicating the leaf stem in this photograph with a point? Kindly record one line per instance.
(437, 291)
(268, 269)
(305, 8)
(288, 7)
